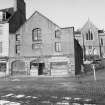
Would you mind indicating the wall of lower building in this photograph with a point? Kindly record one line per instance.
(4, 49)
(68, 48)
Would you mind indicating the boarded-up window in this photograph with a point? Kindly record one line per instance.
(36, 46)
(58, 65)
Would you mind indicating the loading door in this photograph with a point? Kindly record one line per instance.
(59, 68)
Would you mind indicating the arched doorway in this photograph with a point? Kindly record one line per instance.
(36, 67)
(18, 68)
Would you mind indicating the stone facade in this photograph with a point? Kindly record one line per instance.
(45, 60)
(92, 41)
(37, 46)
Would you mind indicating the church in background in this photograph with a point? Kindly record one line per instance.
(92, 41)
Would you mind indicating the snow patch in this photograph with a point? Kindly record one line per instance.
(20, 96)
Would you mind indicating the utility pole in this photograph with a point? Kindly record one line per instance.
(83, 48)
(94, 72)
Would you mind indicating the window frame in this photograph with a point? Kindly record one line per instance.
(58, 46)
(17, 37)
(17, 49)
(89, 35)
(36, 44)
(36, 34)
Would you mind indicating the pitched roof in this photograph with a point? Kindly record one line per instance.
(9, 10)
(89, 23)
(36, 12)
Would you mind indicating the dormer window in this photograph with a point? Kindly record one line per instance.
(4, 15)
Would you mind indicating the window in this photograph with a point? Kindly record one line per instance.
(86, 36)
(17, 49)
(90, 47)
(4, 15)
(57, 46)
(1, 48)
(91, 38)
(57, 34)
(36, 46)
(89, 35)
(17, 37)
(36, 34)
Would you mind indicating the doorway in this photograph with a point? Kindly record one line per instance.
(41, 68)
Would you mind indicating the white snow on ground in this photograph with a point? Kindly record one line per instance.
(15, 80)
(87, 100)
(8, 95)
(46, 102)
(4, 102)
(67, 98)
(77, 99)
(28, 97)
(34, 97)
(14, 103)
(62, 103)
(20, 96)
(76, 104)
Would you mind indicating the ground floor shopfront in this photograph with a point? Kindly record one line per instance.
(36, 66)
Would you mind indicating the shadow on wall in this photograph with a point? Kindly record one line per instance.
(78, 57)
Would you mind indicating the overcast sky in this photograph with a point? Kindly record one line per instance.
(66, 13)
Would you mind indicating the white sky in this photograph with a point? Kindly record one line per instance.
(66, 13)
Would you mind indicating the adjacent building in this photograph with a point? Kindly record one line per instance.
(10, 20)
(92, 40)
